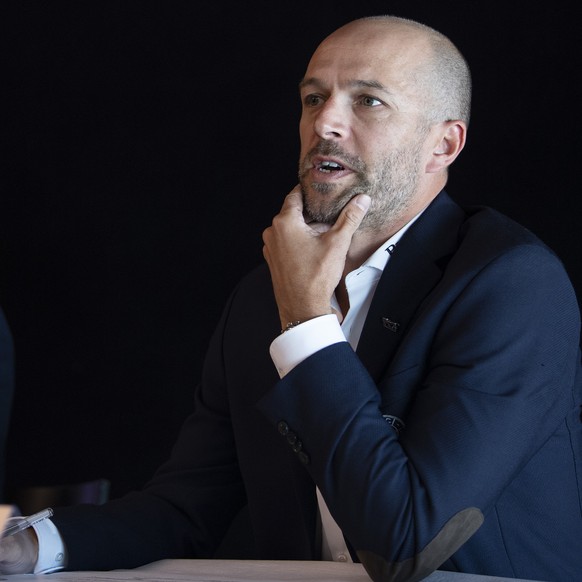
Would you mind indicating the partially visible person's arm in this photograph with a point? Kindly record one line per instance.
(38, 549)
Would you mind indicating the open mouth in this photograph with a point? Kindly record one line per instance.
(327, 167)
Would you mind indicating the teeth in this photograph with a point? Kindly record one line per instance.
(329, 166)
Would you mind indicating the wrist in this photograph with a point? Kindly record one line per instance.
(289, 349)
(290, 322)
(290, 325)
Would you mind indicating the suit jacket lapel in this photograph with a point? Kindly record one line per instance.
(413, 270)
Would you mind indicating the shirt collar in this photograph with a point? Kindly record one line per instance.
(380, 257)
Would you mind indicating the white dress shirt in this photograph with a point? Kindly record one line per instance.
(303, 340)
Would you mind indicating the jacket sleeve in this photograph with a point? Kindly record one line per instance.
(489, 380)
(184, 511)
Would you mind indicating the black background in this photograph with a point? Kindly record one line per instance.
(146, 145)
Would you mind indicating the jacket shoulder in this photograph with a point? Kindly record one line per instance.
(496, 231)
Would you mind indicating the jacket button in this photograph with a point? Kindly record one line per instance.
(291, 438)
(297, 446)
(282, 427)
(303, 457)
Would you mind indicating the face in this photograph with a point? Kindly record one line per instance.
(362, 128)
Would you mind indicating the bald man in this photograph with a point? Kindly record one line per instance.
(399, 384)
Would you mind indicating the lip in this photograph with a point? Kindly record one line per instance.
(316, 162)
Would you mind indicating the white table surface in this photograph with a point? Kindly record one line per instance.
(239, 571)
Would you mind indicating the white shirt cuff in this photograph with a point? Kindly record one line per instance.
(52, 555)
(297, 344)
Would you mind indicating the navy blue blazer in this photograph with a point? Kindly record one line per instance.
(472, 340)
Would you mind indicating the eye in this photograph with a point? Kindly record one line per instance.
(369, 101)
(312, 100)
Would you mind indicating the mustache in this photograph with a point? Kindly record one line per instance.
(332, 149)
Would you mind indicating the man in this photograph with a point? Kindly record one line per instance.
(421, 407)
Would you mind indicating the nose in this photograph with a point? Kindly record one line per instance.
(331, 121)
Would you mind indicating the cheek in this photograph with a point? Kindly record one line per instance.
(373, 149)
(308, 140)
(378, 141)
(306, 132)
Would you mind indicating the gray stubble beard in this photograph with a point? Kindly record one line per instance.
(391, 186)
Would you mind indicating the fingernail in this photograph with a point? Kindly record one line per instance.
(363, 201)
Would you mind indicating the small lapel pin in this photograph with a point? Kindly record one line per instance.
(396, 423)
(389, 324)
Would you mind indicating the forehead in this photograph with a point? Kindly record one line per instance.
(369, 52)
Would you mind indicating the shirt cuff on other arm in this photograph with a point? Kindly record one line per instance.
(301, 341)
(52, 555)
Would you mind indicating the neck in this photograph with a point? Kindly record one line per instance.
(366, 241)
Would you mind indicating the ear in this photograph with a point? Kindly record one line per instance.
(450, 139)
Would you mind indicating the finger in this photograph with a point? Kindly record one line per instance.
(353, 213)
(319, 227)
(292, 206)
(293, 201)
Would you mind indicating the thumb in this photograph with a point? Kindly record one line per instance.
(353, 213)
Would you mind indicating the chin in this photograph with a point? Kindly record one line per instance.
(321, 212)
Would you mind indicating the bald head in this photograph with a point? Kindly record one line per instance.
(385, 103)
(430, 61)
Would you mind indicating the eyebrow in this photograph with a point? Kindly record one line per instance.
(354, 83)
